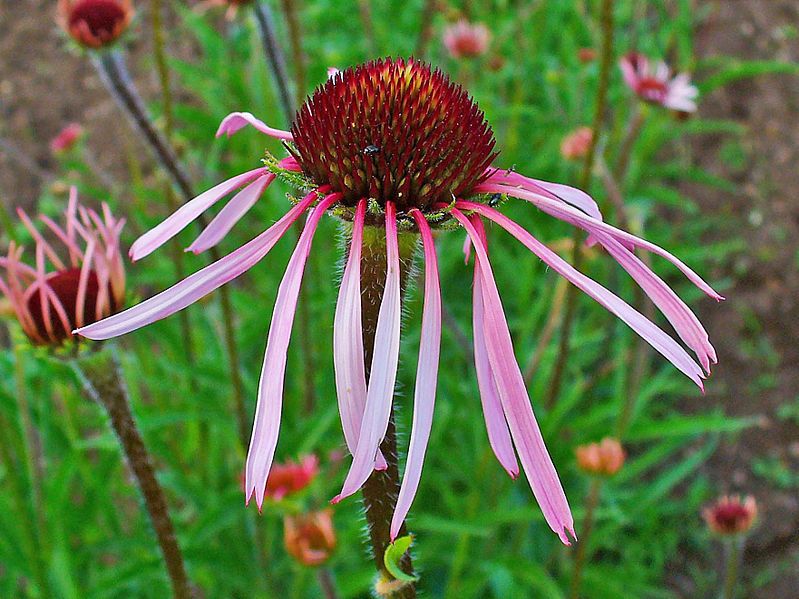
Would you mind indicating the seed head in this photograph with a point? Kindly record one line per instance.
(393, 130)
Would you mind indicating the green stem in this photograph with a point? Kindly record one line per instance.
(326, 583)
(298, 56)
(570, 300)
(733, 550)
(274, 56)
(591, 503)
(381, 489)
(102, 379)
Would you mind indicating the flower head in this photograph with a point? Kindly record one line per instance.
(79, 286)
(586, 55)
(66, 138)
(395, 148)
(310, 538)
(466, 40)
(604, 458)
(288, 478)
(655, 84)
(95, 23)
(731, 515)
(575, 144)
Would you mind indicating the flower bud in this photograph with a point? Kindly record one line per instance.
(586, 55)
(604, 458)
(95, 23)
(731, 515)
(310, 538)
(66, 138)
(79, 286)
(575, 145)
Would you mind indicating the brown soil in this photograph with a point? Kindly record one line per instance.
(756, 329)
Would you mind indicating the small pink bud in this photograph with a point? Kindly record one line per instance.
(310, 538)
(466, 40)
(731, 515)
(604, 458)
(66, 138)
(575, 144)
(95, 23)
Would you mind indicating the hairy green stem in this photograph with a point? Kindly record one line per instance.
(591, 503)
(381, 489)
(570, 300)
(297, 55)
(102, 380)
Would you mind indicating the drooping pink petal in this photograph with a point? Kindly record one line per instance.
(348, 342)
(537, 464)
(383, 371)
(650, 332)
(201, 283)
(40, 241)
(236, 121)
(577, 218)
(174, 224)
(83, 283)
(231, 214)
(684, 321)
(426, 378)
(556, 191)
(270, 388)
(496, 426)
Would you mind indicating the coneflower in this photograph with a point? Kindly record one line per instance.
(655, 83)
(395, 150)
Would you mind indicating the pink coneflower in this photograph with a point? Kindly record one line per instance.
(396, 149)
(731, 515)
(66, 138)
(466, 40)
(655, 84)
(69, 289)
(95, 23)
(288, 478)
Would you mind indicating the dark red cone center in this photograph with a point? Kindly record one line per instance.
(65, 286)
(102, 18)
(393, 130)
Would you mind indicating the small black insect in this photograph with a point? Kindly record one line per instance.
(495, 199)
(371, 150)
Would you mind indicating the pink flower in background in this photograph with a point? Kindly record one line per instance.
(466, 40)
(731, 515)
(391, 173)
(575, 144)
(604, 458)
(655, 84)
(288, 478)
(95, 23)
(65, 290)
(66, 138)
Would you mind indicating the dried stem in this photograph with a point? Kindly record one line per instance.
(570, 300)
(326, 583)
(176, 254)
(591, 503)
(381, 489)
(426, 30)
(365, 11)
(102, 379)
(113, 72)
(298, 56)
(274, 56)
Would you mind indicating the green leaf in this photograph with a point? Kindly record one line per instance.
(393, 555)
